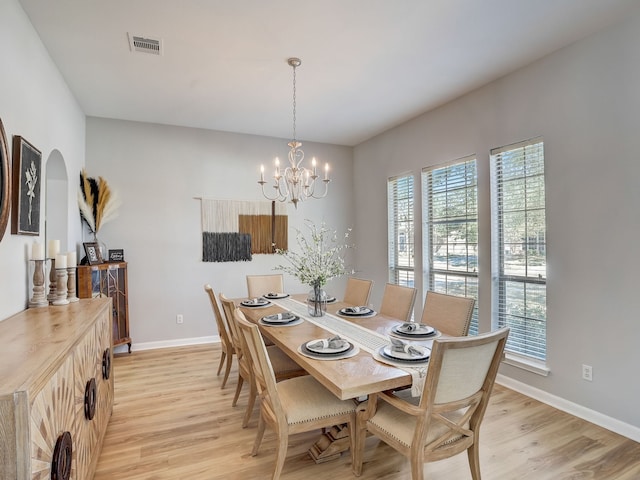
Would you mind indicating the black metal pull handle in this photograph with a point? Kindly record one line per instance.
(90, 399)
(62, 455)
(106, 364)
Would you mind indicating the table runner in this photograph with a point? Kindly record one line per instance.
(365, 338)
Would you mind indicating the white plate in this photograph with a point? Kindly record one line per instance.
(421, 330)
(363, 311)
(286, 318)
(260, 303)
(391, 353)
(275, 296)
(345, 346)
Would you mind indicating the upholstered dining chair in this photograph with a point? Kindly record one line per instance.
(291, 406)
(283, 366)
(449, 314)
(258, 285)
(397, 301)
(357, 291)
(446, 420)
(225, 339)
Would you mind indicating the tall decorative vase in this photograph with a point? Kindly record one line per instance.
(317, 301)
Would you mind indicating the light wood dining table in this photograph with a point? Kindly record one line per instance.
(346, 378)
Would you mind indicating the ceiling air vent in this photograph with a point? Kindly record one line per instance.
(145, 45)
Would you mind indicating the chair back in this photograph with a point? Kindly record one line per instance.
(449, 314)
(228, 306)
(258, 285)
(397, 301)
(357, 291)
(221, 323)
(459, 381)
(262, 369)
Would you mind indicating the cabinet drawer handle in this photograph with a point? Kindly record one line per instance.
(62, 455)
(106, 364)
(90, 399)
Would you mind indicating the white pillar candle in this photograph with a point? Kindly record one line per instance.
(61, 261)
(54, 248)
(72, 260)
(37, 251)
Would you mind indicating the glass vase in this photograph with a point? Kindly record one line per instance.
(317, 302)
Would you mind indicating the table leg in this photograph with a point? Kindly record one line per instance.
(331, 444)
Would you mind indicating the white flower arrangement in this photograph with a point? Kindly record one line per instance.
(320, 257)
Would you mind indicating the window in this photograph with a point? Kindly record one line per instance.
(519, 269)
(400, 230)
(450, 219)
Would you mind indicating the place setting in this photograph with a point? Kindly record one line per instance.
(333, 348)
(284, 319)
(414, 331)
(358, 312)
(256, 302)
(275, 295)
(405, 353)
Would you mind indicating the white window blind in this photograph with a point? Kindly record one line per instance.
(519, 269)
(450, 219)
(401, 230)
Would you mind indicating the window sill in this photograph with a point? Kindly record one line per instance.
(528, 364)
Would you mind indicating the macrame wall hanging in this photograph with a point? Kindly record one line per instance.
(234, 230)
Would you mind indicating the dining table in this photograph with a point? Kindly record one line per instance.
(363, 372)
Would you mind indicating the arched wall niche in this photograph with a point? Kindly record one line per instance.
(56, 202)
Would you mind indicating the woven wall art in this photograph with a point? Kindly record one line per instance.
(234, 230)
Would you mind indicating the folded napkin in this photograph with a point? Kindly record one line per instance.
(413, 350)
(275, 294)
(254, 301)
(333, 342)
(280, 316)
(356, 309)
(409, 327)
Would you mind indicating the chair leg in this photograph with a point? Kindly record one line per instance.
(358, 433)
(259, 435)
(281, 454)
(238, 388)
(222, 357)
(417, 465)
(253, 393)
(227, 370)
(473, 454)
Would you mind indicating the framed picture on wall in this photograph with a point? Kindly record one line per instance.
(27, 169)
(92, 250)
(5, 182)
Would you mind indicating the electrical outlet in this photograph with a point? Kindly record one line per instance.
(179, 318)
(587, 373)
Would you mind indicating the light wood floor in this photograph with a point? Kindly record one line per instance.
(172, 421)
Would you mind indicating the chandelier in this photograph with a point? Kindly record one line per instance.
(295, 183)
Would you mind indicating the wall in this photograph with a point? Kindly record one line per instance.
(584, 100)
(35, 103)
(158, 171)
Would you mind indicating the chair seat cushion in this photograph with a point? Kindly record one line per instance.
(305, 400)
(401, 426)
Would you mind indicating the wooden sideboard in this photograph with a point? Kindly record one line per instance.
(108, 280)
(56, 390)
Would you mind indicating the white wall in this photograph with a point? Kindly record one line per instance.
(158, 170)
(584, 100)
(35, 103)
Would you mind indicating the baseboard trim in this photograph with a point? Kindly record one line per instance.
(579, 411)
(178, 342)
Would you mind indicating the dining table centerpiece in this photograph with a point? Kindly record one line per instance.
(320, 258)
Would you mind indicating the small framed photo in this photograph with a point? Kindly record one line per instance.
(27, 178)
(92, 249)
(116, 255)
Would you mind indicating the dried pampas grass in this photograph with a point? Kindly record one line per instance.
(97, 202)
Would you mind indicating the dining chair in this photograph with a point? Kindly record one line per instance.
(446, 419)
(291, 406)
(449, 314)
(258, 285)
(397, 301)
(283, 366)
(357, 291)
(225, 340)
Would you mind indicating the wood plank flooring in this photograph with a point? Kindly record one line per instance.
(172, 421)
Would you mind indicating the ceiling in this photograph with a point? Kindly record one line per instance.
(367, 65)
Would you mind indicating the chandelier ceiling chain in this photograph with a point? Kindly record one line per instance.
(296, 183)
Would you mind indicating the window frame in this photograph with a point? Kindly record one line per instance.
(401, 273)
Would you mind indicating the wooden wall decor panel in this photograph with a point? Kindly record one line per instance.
(263, 237)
